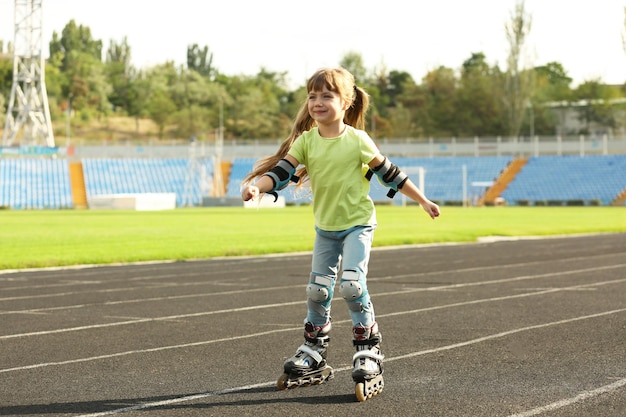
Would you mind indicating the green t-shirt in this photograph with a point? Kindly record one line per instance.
(336, 168)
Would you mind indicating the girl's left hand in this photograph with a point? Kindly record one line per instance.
(250, 192)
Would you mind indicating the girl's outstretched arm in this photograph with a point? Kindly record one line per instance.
(409, 189)
(414, 193)
(263, 185)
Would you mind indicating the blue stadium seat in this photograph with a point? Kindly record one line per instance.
(149, 175)
(443, 177)
(239, 169)
(568, 178)
(35, 183)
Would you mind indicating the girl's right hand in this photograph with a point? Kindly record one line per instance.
(432, 209)
(250, 192)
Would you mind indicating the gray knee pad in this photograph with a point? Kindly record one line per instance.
(350, 285)
(319, 288)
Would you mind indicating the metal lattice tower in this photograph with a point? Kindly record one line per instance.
(28, 109)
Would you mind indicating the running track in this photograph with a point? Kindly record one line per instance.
(502, 328)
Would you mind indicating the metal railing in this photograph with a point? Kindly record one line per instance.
(516, 147)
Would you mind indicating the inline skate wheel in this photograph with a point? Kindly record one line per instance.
(282, 382)
(359, 390)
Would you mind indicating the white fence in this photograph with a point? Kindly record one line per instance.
(516, 147)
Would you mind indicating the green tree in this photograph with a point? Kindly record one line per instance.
(395, 85)
(551, 83)
(192, 95)
(518, 84)
(3, 111)
(6, 75)
(596, 101)
(74, 38)
(406, 116)
(353, 62)
(119, 73)
(551, 92)
(200, 60)
(6, 83)
(79, 58)
(256, 105)
(290, 105)
(478, 105)
(57, 103)
(137, 96)
(440, 92)
(475, 99)
(160, 110)
(155, 86)
(380, 102)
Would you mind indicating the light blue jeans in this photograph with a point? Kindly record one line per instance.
(349, 249)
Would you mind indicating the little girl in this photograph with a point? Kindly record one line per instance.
(329, 148)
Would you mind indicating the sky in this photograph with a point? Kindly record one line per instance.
(299, 37)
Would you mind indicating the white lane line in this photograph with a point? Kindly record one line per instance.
(507, 280)
(150, 319)
(141, 300)
(585, 395)
(507, 333)
(558, 404)
(504, 297)
(180, 399)
(370, 279)
(403, 291)
(229, 339)
(156, 349)
(165, 284)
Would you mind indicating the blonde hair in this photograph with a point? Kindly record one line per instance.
(338, 80)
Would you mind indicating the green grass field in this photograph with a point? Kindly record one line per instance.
(34, 239)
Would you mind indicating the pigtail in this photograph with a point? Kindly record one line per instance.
(355, 115)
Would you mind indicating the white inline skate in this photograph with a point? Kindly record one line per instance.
(368, 362)
(308, 366)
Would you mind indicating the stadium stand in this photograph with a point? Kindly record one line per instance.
(444, 181)
(49, 183)
(562, 180)
(146, 175)
(239, 169)
(35, 184)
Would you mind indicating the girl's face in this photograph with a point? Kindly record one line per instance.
(326, 107)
